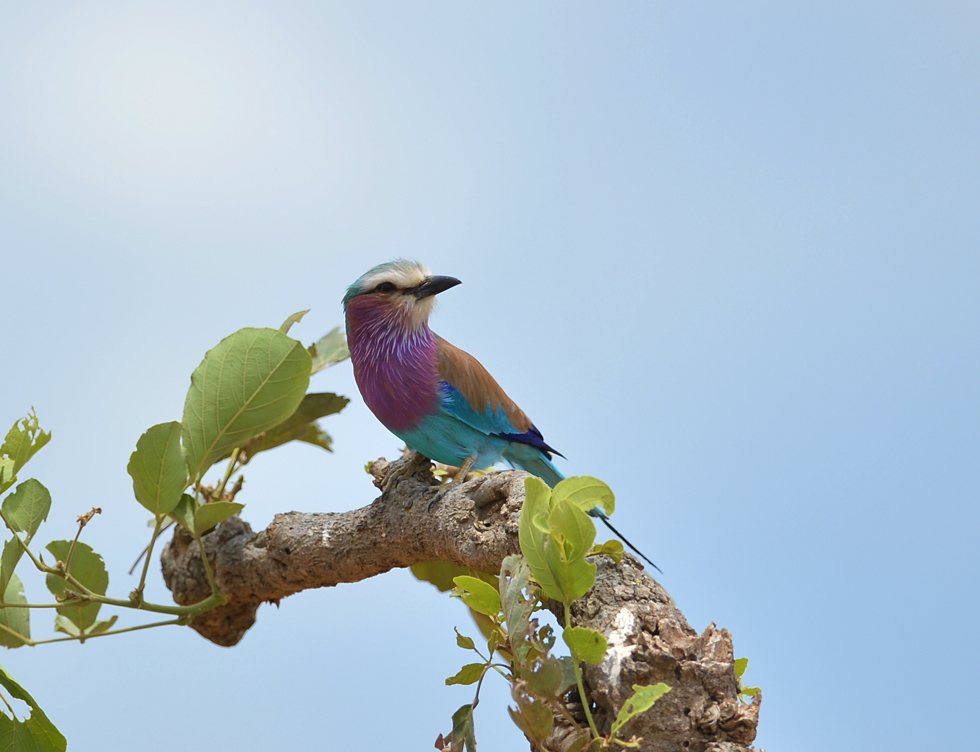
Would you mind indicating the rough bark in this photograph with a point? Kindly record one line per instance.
(475, 524)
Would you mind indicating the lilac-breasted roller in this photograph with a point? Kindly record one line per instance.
(435, 397)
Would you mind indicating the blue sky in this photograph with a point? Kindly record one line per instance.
(726, 255)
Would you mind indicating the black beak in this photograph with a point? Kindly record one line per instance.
(433, 286)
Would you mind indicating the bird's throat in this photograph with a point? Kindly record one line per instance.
(395, 364)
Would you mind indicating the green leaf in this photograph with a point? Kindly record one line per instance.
(248, 383)
(464, 642)
(13, 549)
(565, 550)
(532, 716)
(88, 568)
(492, 641)
(611, 548)
(102, 626)
(586, 493)
(66, 626)
(184, 511)
(17, 619)
(573, 528)
(469, 674)
(294, 319)
(23, 441)
(35, 734)
(586, 644)
(329, 350)
(158, 469)
(478, 595)
(301, 425)
(642, 700)
(27, 507)
(210, 514)
(551, 678)
(464, 733)
(740, 665)
(517, 606)
(534, 538)
(440, 573)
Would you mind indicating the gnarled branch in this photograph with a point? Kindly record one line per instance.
(475, 524)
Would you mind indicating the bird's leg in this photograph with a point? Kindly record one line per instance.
(464, 469)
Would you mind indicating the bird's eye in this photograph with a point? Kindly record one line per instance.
(385, 287)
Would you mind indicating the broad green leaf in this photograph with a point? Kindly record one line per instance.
(740, 665)
(184, 512)
(13, 549)
(551, 678)
(534, 540)
(532, 716)
(210, 514)
(573, 528)
(66, 626)
(301, 425)
(469, 674)
(36, 733)
(17, 619)
(294, 319)
(573, 578)
(586, 644)
(642, 700)
(564, 553)
(23, 441)
(329, 350)
(464, 734)
(441, 574)
(465, 642)
(586, 493)
(158, 469)
(248, 383)
(27, 507)
(611, 548)
(478, 595)
(88, 568)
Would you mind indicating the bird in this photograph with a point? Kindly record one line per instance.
(435, 397)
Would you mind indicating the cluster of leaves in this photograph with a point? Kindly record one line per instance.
(745, 694)
(247, 396)
(557, 540)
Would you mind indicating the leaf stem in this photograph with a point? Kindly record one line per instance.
(579, 680)
(157, 529)
(232, 462)
(145, 551)
(215, 591)
(71, 549)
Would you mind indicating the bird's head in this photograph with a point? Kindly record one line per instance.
(404, 288)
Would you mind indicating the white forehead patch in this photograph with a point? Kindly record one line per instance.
(402, 274)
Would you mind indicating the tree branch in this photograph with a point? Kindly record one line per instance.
(475, 524)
